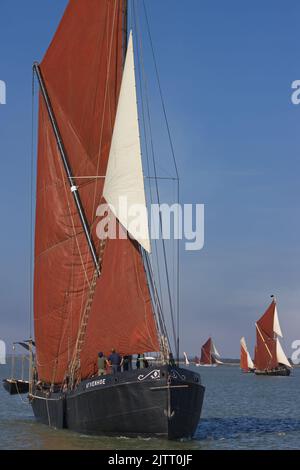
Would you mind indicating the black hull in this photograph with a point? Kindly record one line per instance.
(14, 386)
(281, 372)
(249, 371)
(160, 401)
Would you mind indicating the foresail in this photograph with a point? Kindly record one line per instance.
(243, 343)
(250, 362)
(124, 189)
(246, 354)
(276, 324)
(186, 359)
(214, 350)
(281, 357)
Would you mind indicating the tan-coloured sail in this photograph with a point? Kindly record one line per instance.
(246, 362)
(281, 357)
(124, 188)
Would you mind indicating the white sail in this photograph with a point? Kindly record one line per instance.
(249, 360)
(281, 357)
(214, 350)
(187, 362)
(243, 343)
(276, 325)
(124, 189)
(218, 361)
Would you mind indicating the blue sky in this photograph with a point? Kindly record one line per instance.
(226, 69)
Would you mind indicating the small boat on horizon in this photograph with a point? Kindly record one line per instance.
(16, 386)
(12, 384)
(246, 363)
(209, 355)
(269, 357)
(186, 360)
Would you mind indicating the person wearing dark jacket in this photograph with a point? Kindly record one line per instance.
(127, 362)
(115, 361)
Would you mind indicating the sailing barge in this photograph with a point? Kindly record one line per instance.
(95, 293)
(246, 363)
(12, 384)
(209, 355)
(269, 357)
(16, 386)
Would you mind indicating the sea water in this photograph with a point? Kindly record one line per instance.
(240, 411)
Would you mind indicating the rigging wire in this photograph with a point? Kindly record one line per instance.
(160, 91)
(175, 166)
(157, 192)
(146, 141)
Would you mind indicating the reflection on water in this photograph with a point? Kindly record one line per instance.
(240, 411)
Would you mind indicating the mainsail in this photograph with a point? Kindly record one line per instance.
(245, 362)
(209, 353)
(268, 350)
(82, 71)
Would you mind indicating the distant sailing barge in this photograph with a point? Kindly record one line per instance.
(269, 357)
(246, 363)
(12, 384)
(92, 294)
(209, 355)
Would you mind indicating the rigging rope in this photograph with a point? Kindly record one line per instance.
(175, 165)
(146, 145)
(156, 183)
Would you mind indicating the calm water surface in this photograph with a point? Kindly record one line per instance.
(240, 411)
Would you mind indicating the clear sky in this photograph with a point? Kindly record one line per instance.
(226, 68)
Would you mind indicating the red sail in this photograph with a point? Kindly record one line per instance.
(244, 360)
(265, 350)
(82, 70)
(206, 357)
(266, 322)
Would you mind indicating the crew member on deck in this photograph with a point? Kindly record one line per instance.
(171, 360)
(138, 362)
(127, 363)
(115, 361)
(102, 363)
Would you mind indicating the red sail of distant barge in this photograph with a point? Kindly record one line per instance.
(209, 354)
(269, 357)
